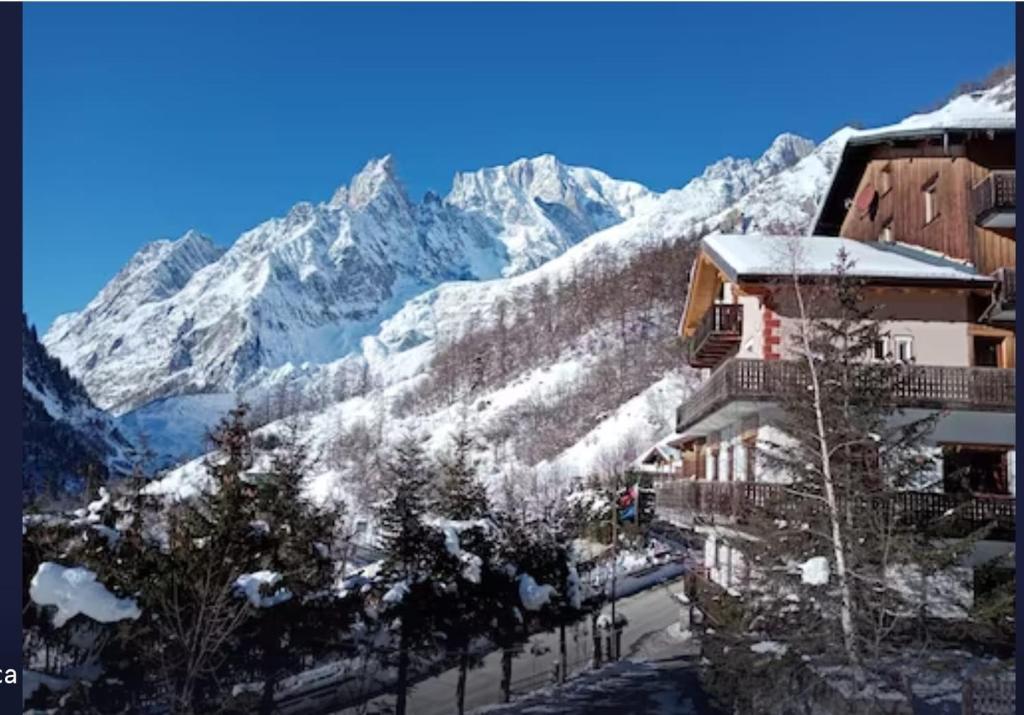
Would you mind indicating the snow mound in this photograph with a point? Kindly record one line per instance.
(770, 647)
(251, 586)
(76, 591)
(815, 571)
(396, 593)
(533, 595)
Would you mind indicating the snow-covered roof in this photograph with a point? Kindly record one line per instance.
(662, 447)
(990, 109)
(755, 257)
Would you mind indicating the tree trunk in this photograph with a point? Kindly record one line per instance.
(562, 651)
(267, 697)
(460, 689)
(506, 675)
(834, 515)
(401, 682)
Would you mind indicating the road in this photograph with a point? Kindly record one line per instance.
(647, 612)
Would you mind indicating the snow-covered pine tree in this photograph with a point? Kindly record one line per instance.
(460, 493)
(482, 585)
(412, 554)
(294, 539)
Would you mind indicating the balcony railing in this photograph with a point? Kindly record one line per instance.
(922, 386)
(1006, 289)
(994, 200)
(717, 335)
(738, 502)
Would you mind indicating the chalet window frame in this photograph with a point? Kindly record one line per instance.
(886, 234)
(898, 341)
(885, 344)
(885, 179)
(929, 191)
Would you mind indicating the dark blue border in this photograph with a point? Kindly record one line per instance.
(1020, 560)
(10, 309)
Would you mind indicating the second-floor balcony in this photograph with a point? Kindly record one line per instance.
(746, 382)
(744, 502)
(717, 335)
(994, 200)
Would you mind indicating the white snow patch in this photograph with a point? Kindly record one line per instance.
(396, 593)
(251, 586)
(76, 590)
(772, 647)
(533, 595)
(815, 571)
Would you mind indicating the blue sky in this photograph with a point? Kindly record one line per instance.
(142, 121)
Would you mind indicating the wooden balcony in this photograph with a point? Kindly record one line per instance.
(921, 386)
(740, 502)
(994, 200)
(717, 336)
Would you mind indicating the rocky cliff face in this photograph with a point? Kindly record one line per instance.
(65, 436)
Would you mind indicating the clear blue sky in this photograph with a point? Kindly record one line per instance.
(142, 121)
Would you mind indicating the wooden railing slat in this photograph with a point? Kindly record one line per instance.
(919, 509)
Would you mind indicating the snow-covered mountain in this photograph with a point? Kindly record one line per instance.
(186, 317)
(540, 207)
(63, 431)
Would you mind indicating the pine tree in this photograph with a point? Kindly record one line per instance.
(461, 495)
(412, 550)
(294, 538)
(480, 583)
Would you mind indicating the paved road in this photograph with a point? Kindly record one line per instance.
(648, 612)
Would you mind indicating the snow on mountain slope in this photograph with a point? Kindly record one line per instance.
(62, 430)
(623, 435)
(541, 207)
(185, 317)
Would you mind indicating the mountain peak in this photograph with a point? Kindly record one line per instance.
(784, 151)
(376, 178)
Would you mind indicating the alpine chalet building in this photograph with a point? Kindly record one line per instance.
(927, 213)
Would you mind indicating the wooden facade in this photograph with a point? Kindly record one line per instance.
(897, 183)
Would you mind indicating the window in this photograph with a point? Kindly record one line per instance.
(978, 469)
(881, 349)
(885, 234)
(987, 350)
(931, 206)
(885, 180)
(904, 348)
